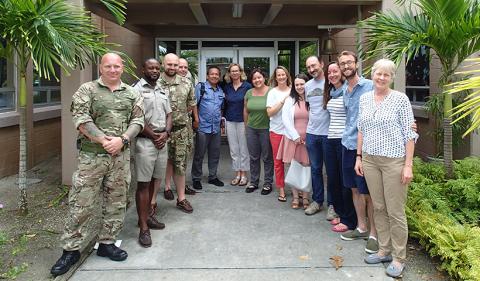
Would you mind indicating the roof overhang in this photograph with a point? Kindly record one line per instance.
(239, 18)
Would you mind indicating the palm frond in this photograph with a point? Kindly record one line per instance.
(470, 108)
(117, 8)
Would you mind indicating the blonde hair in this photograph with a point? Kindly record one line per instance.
(386, 65)
(227, 78)
(272, 82)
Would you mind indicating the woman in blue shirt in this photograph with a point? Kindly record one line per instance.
(235, 90)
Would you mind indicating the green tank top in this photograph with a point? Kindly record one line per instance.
(257, 110)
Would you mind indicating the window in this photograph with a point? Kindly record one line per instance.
(286, 55)
(417, 74)
(165, 47)
(46, 92)
(306, 49)
(189, 51)
(7, 89)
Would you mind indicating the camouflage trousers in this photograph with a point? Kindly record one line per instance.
(180, 148)
(99, 180)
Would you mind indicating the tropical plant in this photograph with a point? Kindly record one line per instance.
(470, 108)
(45, 33)
(449, 28)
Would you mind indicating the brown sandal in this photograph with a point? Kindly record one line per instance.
(235, 181)
(295, 204)
(306, 203)
(243, 181)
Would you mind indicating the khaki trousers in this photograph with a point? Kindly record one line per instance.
(389, 195)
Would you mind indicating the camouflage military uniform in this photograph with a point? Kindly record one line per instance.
(98, 171)
(181, 95)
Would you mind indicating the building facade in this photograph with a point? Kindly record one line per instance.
(250, 32)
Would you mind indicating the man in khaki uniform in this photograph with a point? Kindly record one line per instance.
(151, 150)
(168, 194)
(108, 113)
(180, 92)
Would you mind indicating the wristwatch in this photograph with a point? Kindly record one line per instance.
(124, 140)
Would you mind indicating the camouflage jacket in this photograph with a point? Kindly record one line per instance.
(181, 96)
(112, 112)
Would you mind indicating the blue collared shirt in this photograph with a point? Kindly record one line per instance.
(352, 100)
(210, 108)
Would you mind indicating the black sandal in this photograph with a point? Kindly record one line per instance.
(267, 188)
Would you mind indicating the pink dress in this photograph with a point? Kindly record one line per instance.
(288, 149)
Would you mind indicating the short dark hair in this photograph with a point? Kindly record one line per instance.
(149, 59)
(348, 53)
(210, 67)
(259, 70)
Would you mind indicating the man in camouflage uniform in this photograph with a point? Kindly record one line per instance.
(180, 92)
(151, 149)
(108, 114)
(168, 194)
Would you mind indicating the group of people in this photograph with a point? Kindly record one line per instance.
(361, 129)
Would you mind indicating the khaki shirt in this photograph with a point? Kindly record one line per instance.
(112, 112)
(156, 104)
(181, 96)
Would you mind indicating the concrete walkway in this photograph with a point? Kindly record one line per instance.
(232, 235)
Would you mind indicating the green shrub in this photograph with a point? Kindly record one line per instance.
(444, 215)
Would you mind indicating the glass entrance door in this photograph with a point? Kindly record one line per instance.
(248, 58)
(251, 58)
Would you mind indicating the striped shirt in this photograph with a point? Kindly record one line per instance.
(338, 114)
(387, 126)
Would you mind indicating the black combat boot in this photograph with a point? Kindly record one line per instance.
(65, 262)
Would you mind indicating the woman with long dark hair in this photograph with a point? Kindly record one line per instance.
(295, 121)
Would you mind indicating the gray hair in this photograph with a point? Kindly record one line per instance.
(386, 65)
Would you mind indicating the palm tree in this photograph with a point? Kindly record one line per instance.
(471, 106)
(48, 32)
(450, 28)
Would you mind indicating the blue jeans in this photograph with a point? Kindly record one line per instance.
(316, 147)
(341, 195)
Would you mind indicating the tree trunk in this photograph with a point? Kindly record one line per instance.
(22, 165)
(447, 136)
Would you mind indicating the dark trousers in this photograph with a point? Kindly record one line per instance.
(259, 148)
(341, 195)
(204, 142)
(316, 147)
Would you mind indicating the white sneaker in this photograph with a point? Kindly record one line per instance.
(313, 208)
(331, 213)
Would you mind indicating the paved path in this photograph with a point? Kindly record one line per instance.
(232, 235)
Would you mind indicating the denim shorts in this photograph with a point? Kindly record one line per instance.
(350, 178)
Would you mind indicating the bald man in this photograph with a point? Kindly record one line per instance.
(182, 99)
(108, 114)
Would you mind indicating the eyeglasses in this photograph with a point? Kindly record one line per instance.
(349, 63)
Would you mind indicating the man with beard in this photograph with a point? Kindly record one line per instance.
(317, 134)
(151, 151)
(357, 86)
(182, 99)
(168, 194)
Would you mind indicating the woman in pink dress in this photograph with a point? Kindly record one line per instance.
(295, 120)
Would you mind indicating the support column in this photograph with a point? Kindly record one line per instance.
(69, 86)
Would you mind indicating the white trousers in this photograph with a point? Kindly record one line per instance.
(237, 143)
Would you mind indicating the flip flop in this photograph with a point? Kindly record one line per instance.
(335, 221)
(282, 198)
(340, 228)
(235, 181)
(243, 181)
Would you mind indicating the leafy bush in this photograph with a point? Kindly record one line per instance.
(444, 215)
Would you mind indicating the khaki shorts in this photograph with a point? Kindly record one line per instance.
(149, 161)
